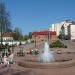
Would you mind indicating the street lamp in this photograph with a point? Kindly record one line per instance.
(49, 36)
(12, 42)
(35, 40)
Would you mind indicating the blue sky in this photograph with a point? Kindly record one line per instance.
(34, 15)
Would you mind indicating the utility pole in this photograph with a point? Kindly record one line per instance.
(35, 40)
(12, 42)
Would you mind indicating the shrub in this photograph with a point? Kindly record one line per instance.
(57, 44)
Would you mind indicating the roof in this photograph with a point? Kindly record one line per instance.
(45, 32)
(7, 34)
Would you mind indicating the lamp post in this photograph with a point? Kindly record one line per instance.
(35, 40)
(12, 42)
(49, 36)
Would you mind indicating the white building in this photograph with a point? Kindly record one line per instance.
(71, 31)
(57, 27)
(66, 23)
(7, 36)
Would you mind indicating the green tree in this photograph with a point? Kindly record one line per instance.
(26, 37)
(30, 35)
(5, 23)
(17, 34)
(60, 36)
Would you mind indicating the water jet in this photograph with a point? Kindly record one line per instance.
(47, 55)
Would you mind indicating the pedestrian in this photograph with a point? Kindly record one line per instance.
(5, 60)
(10, 58)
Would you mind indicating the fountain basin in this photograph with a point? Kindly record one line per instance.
(47, 60)
(39, 65)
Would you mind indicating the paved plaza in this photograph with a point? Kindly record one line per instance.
(15, 69)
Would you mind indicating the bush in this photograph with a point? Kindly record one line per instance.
(57, 44)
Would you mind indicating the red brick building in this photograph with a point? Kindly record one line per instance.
(44, 35)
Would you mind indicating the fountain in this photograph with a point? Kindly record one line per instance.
(47, 55)
(46, 60)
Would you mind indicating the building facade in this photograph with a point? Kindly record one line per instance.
(44, 35)
(7, 36)
(57, 27)
(71, 32)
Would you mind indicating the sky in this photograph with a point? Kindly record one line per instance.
(35, 15)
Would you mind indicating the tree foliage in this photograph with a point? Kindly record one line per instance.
(30, 35)
(5, 23)
(17, 35)
(57, 44)
(26, 37)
